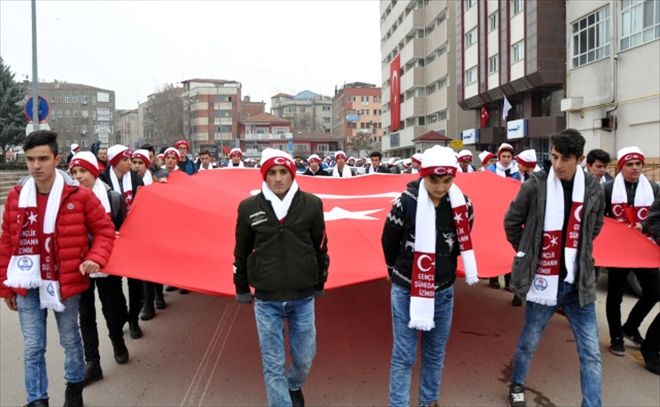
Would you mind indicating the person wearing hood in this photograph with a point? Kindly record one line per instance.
(505, 166)
(185, 164)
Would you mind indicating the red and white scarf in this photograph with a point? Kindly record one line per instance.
(147, 178)
(102, 194)
(422, 286)
(639, 211)
(127, 185)
(25, 265)
(546, 280)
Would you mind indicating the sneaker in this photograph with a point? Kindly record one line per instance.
(494, 283)
(617, 348)
(160, 303)
(93, 372)
(297, 399)
(147, 313)
(517, 395)
(633, 335)
(516, 301)
(134, 330)
(120, 351)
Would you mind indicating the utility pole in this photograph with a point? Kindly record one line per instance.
(35, 80)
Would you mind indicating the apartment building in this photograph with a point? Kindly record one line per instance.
(126, 126)
(307, 111)
(356, 115)
(419, 92)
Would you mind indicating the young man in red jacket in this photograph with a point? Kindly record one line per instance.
(46, 259)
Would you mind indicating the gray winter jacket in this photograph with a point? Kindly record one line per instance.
(523, 224)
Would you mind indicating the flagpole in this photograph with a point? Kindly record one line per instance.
(35, 96)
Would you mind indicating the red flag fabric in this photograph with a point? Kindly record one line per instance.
(484, 116)
(395, 93)
(182, 232)
(226, 150)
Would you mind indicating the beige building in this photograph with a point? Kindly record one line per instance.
(356, 117)
(613, 79)
(422, 35)
(307, 111)
(127, 128)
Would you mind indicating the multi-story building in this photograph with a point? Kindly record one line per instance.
(612, 74)
(79, 113)
(419, 75)
(356, 116)
(211, 112)
(162, 117)
(126, 126)
(307, 111)
(247, 108)
(513, 50)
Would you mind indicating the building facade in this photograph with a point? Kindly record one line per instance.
(307, 111)
(419, 74)
(612, 76)
(513, 50)
(162, 117)
(126, 126)
(356, 117)
(80, 114)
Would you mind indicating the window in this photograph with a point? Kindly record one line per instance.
(492, 21)
(471, 76)
(591, 38)
(518, 51)
(493, 63)
(469, 4)
(84, 99)
(442, 115)
(640, 22)
(431, 89)
(442, 82)
(471, 38)
(517, 6)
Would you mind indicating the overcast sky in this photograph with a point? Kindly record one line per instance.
(133, 47)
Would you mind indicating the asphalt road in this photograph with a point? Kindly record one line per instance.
(203, 351)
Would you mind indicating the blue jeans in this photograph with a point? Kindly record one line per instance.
(404, 351)
(585, 329)
(33, 326)
(270, 316)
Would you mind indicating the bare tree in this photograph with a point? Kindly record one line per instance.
(361, 142)
(164, 116)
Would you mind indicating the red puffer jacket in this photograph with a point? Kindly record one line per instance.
(80, 213)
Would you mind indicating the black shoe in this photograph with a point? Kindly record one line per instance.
(517, 395)
(617, 348)
(652, 361)
(73, 394)
(134, 329)
(297, 399)
(37, 403)
(93, 372)
(147, 313)
(160, 303)
(183, 291)
(516, 301)
(633, 335)
(494, 283)
(170, 288)
(120, 351)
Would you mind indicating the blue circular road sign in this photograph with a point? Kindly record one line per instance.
(43, 109)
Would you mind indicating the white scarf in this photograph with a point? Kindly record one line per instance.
(240, 164)
(470, 169)
(546, 281)
(422, 287)
(147, 179)
(500, 169)
(280, 206)
(125, 180)
(345, 173)
(24, 271)
(201, 167)
(101, 193)
(639, 211)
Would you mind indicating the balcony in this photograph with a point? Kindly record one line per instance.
(412, 107)
(412, 78)
(413, 50)
(268, 136)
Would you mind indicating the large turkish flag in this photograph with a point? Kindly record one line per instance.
(395, 93)
(182, 233)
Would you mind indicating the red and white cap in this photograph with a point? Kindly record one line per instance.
(87, 160)
(75, 148)
(172, 151)
(182, 143)
(465, 155)
(439, 160)
(116, 153)
(271, 157)
(236, 152)
(527, 158)
(485, 156)
(505, 147)
(314, 158)
(160, 156)
(628, 154)
(143, 155)
(340, 154)
(417, 157)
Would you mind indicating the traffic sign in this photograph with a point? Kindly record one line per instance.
(30, 127)
(43, 109)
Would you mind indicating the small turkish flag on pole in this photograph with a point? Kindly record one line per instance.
(484, 116)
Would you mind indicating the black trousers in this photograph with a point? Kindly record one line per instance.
(652, 340)
(113, 306)
(151, 292)
(649, 279)
(135, 298)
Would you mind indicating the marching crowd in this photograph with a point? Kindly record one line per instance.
(58, 230)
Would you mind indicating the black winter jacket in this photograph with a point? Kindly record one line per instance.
(283, 261)
(398, 239)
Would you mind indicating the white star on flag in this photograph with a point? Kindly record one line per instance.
(458, 217)
(554, 240)
(32, 218)
(338, 213)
